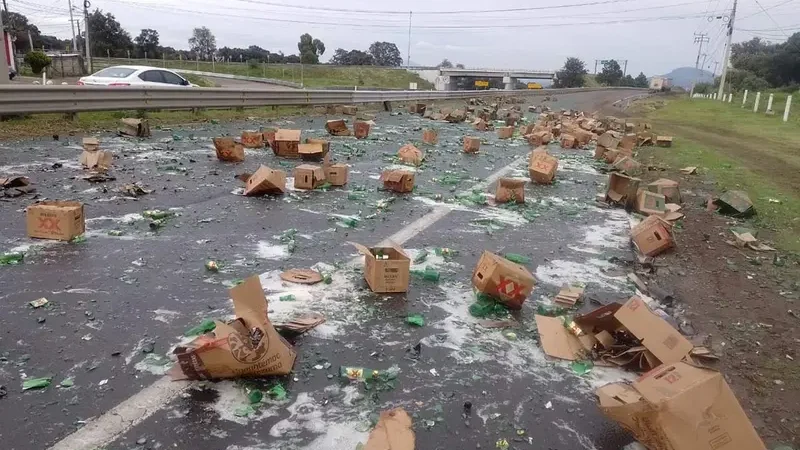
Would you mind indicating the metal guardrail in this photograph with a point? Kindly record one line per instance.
(76, 99)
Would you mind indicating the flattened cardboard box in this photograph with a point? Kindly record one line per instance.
(336, 174)
(681, 407)
(398, 180)
(266, 181)
(385, 275)
(308, 176)
(287, 143)
(60, 220)
(510, 190)
(472, 144)
(228, 149)
(507, 281)
(652, 236)
(252, 139)
(247, 346)
(542, 168)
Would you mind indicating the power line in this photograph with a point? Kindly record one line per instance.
(770, 18)
(764, 10)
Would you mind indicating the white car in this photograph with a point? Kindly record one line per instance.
(135, 76)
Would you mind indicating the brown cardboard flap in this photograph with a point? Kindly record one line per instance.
(556, 340)
(249, 296)
(665, 342)
(393, 432)
(361, 249)
(287, 135)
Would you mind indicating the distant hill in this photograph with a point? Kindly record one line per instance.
(685, 76)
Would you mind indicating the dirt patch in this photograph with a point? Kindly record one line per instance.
(742, 303)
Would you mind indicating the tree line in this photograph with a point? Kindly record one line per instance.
(759, 65)
(574, 73)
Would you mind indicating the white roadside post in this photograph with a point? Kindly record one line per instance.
(755, 105)
(744, 99)
(769, 104)
(730, 97)
(786, 110)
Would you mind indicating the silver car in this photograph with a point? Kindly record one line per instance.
(135, 76)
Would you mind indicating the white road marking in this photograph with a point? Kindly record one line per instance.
(107, 427)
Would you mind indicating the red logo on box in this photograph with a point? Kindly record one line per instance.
(509, 288)
(49, 224)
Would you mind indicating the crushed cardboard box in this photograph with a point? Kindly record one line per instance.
(248, 346)
(505, 132)
(326, 145)
(668, 188)
(59, 220)
(252, 139)
(308, 176)
(392, 432)
(680, 407)
(410, 154)
(92, 157)
(481, 125)
(690, 170)
(652, 236)
(336, 174)
(15, 186)
(265, 181)
(607, 140)
(628, 166)
(287, 143)
(622, 189)
(542, 167)
(510, 190)
(135, 127)
(746, 239)
(91, 144)
(600, 152)
(228, 149)
(361, 129)
(673, 212)
(311, 152)
(386, 269)
(472, 144)
(401, 181)
(497, 277)
(736, 203)
(430, 136)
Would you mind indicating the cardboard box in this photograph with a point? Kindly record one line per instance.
(628, 165)
(668, 188)
(681, 407)
(91, 144)
(539, 138)
(287, 143)
(510, 190)
(459, 115)
(361, 129)
(649, 203)
(417, 108)
(430, 136)
(607, 140)
(252, 139)
(96, 160)
(228, 149)
(410, 154)
(481, 125)
(652, 236)
(568, 141)
(659, 337)
(248, 346)
(622, 189)
(269, 137)
(308, 176)
(326, 145)
(385, 275)
(392, 432)
(398, 180)
(600, 152)
(266, 181)
(735, 203)
(526, 129)
(135, 127)
(664, 141)
(60, 220)
(505, 132)
(349, 110)
(502, 279)
(336, 174)
(629, 142)
(311, 152)
(471, 144)
(542, 168)
(557, 341)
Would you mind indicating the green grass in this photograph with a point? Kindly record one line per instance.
(46, 124)
(729, 169)
(312, 76)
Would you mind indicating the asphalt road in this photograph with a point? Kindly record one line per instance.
(119, 304)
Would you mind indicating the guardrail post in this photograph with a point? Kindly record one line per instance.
(786, 110)
(387, 106)
(744, 99)
(71, 116)
(755, 105)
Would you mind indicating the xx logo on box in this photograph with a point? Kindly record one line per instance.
(509, 288)
(49, 224)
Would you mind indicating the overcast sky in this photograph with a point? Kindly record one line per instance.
(655, 36)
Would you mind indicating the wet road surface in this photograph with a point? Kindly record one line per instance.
(120, 301)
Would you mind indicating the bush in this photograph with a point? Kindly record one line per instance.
(38, 61)
(253, 63)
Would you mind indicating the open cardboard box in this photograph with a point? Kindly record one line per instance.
(287, 143)
(622, 189)
(386, 269)
(265, 181)
(248, 346)
(510, 190)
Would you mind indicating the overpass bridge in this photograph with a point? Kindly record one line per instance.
(452, 79)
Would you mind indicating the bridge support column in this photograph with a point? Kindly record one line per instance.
(509, 82)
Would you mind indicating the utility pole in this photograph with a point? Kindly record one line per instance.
(3, 54)
(78, 25)
(699, 38)
(408, 61)
(72, 25)
(625, 70)
(87, 42)
(30, 40)
(727, 50)
(716, 64)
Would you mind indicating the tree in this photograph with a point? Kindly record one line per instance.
(611, 75)
(641, 80)
(627, 81)
(203, 43)
(385, 54)
(459, 66)
(571, 75)
(108, 37)
(38, 61)
(310, 49)
(445, 64)
(147, 41)
(352, 58)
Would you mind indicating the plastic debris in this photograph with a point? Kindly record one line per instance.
(416, 320)
(36, 383)
(39, 302)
